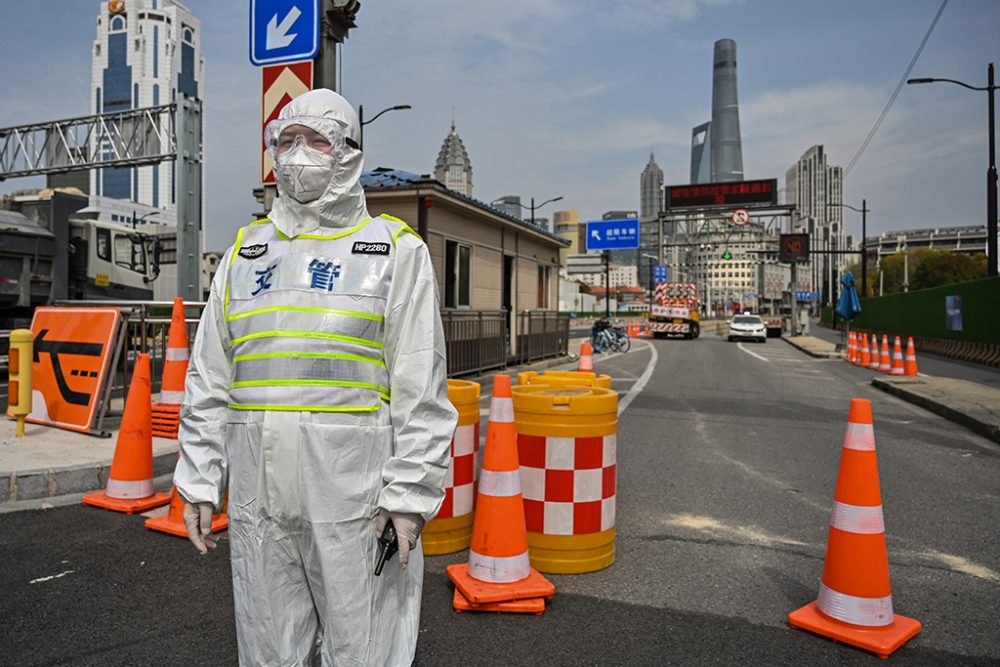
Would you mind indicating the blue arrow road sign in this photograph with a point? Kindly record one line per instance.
(283, 31)
(660, 273)
(612, 234)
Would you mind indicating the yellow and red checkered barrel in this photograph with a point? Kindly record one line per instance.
(567, 448)
(451, 529)
(565, 379)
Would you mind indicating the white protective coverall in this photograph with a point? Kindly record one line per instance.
(321, 398)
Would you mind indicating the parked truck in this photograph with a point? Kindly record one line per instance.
(50, 250)
(675, 311)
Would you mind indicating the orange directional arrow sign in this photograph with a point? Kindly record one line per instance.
(280, 85)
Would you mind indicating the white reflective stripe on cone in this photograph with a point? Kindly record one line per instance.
(177, 354)
(505, 483)
(172, 397)
(857, 519)
(870, 612)
(501, 410)
(860, 437)
(499, 569)
(127, 489)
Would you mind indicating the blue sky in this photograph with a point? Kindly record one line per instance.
(567, 97)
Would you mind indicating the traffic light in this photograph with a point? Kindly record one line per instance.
(727, 255)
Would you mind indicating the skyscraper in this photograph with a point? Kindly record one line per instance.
(146, 53)
(727, 150)
(701, 153)
(817, 190)
(453, 167)
(650, 190)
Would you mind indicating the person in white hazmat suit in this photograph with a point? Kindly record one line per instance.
(317, 388)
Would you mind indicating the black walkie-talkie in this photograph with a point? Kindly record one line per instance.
(387, 546)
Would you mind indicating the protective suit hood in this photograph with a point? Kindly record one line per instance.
(342, 203)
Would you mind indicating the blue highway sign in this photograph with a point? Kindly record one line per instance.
(612, 234)
(660, 273)
(283, 31)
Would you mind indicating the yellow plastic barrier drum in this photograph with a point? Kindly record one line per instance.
(451, 529)
(568, 451)
(565, 379)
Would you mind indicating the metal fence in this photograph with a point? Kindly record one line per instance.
(475, 340)
(541, 334)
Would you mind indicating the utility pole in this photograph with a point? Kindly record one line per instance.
(607, 284)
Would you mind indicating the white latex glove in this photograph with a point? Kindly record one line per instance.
(408, 527)
(198, 521)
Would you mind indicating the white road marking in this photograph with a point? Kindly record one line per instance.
(707, 524)
(641, 383)
(752, 354)
(49, 578)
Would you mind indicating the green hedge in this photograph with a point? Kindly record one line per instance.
(922, 312)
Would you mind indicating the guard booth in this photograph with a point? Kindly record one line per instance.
(497, 275)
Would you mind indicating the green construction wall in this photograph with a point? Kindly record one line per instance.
(922, 312)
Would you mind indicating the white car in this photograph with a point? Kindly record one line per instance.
(749, 327)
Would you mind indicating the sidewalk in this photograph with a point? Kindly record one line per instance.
(814, 347)
(49, 463)
(973, 405)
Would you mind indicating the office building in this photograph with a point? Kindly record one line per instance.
(146, 53)
(567, 225)
(650, 190)
(968, 240)
(726, 147)
(816, 189)
(716, 146)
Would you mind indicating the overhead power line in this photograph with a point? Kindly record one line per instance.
(895, 93)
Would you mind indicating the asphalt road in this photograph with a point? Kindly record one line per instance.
(727, 465)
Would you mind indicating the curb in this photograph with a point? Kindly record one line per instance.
(987, 430)
(45, 483)
(162, 483)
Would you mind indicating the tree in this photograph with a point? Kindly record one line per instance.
(944, 268)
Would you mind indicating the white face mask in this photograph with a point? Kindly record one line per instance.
(304, 173)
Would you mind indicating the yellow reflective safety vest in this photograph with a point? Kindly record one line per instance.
(306, 317)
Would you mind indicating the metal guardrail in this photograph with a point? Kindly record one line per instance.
(475, 339)
(541, 334)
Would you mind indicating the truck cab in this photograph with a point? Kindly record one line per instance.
(110, 261)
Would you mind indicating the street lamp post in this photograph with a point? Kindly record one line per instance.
(362, 122)
(136, 221)
(864, 210)
(991, 171)
(533, 207)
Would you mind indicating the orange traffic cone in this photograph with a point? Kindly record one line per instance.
(586, 364)
(897, 358)
(647, 329)
(498, 570)
(865, 358)
(910, 367)
(883, 358)
(130, 482)
(173, 521)
(852, 348)
(166, 413)
(873, 365)
(855, 600)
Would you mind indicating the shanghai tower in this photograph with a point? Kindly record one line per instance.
(726, 149)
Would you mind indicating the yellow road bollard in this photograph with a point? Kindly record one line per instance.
(451, 529)
(568, 452)
(565, 379)
(19, 361)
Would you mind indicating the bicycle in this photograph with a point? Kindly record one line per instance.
(621, 343)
